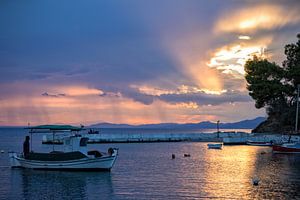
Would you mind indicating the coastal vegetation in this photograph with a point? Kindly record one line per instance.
(275, 87)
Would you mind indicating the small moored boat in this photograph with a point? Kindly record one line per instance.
(215, 146)
(287, 148)
(75, 155)
(255, 143)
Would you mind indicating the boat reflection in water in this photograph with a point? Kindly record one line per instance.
(38, 184)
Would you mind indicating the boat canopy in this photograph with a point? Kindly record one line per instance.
(55, 128)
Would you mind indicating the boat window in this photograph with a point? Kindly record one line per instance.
(67, 141)
(83, 142)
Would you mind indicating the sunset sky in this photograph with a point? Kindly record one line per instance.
(136, 61)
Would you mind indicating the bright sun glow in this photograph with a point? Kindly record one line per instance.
(232, 59)
(244, 37)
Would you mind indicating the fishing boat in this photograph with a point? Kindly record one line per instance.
(215, 145)
(257, 143)
(75, 155)
(287, 148)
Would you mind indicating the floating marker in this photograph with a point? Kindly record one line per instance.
(255, 181)
(187, 155)
(173, 156)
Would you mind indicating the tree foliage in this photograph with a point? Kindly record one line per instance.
(275, 87)
(264, 81)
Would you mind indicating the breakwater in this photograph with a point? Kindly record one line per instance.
(226, 137)
(148, 137)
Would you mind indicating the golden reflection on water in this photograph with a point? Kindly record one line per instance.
(231, 167)
(225, 173)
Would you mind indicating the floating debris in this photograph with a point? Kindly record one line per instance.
(173, 156)
(187, 155)
(255, 181)
(2, 151)
(263, 152)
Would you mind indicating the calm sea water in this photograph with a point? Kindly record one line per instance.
(146, 171)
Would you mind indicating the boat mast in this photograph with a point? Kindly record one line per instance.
(297, 110)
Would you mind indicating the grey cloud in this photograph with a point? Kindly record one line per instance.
(46, 94)
(202, 98)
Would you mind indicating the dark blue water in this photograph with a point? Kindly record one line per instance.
(146, 171)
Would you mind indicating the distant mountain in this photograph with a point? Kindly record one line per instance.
(244, 124)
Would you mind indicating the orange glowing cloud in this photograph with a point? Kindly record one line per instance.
(89, 109)
(205, 78)
(182, 89)
(76, 90)
(256, 18)
(188, 52)
(94, 109)
(150, 90)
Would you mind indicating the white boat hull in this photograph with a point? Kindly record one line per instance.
(215, 146)
(259, 143)
(95, 164)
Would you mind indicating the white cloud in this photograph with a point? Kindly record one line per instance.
(258, 17)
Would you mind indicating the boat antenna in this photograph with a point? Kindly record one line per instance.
(297, 110)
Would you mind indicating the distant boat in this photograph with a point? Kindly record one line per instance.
(287, 148)
(74, 157)
(254, 143)
(215, 146)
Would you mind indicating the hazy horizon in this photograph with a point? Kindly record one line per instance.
(87, 125)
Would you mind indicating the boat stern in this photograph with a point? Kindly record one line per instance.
(115, 152)
(14, 163)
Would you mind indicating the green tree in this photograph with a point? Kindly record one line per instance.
(275, 87)
(264, 81)
(292, 67)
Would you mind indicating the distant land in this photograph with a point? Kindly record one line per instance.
(244, 124)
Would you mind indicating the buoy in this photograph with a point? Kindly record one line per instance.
(2, 151)
(187, 155)
(173, 156)
(255, 181)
